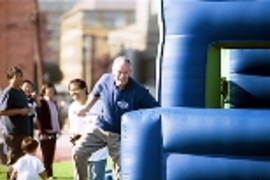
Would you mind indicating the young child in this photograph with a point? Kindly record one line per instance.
(28, 167)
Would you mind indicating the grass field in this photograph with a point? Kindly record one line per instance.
(62, 170)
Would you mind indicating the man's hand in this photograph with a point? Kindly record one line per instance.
(24, 111)
(74, 138)
(82, 112)
(91, 101)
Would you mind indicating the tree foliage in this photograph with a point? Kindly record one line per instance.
(52, 72)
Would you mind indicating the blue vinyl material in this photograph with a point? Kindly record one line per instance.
(183, 140)
(189, 28)
(192, 167)
(150, 152)
(250, 78)
(195, 144)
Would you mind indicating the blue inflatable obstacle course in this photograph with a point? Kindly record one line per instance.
(249, 79)
(203, 45)
(193, 35)
(196, 144)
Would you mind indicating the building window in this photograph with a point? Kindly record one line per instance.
(131, 18)
(91, 19)
(114, 19)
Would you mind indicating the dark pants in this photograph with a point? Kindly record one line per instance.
(14, 150)
(48, 150)
(3, 154)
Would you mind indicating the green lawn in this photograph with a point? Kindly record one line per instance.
(62, 170)
(2, 172)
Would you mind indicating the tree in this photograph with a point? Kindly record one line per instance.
(52, 72)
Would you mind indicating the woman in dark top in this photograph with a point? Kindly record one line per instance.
(49, 125)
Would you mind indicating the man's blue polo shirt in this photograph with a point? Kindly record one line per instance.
(117, 102)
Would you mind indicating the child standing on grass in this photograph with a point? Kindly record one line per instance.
(28, 167)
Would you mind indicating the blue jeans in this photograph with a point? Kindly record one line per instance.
(97, 169)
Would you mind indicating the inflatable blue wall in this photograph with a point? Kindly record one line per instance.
(193, 34)
(203, 143)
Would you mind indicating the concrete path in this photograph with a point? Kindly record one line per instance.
(63, 148)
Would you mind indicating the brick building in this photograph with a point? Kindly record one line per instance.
(18, 38)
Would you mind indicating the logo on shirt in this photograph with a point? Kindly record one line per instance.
(122, 104)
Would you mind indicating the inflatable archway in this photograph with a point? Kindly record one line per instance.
(194, 33)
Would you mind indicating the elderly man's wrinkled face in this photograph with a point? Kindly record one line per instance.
(121, 71)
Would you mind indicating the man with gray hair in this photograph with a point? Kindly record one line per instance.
(119, 93)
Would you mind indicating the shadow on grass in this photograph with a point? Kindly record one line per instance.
(63, 178)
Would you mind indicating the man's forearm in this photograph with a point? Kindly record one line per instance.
(91, 101)
(10, 112)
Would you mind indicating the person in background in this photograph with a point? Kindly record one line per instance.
(224, 88)
(79, 125)
(33, 102)
(14, 112)
(119, 93)
(29, 166)
(49, 125)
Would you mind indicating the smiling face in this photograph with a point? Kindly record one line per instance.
(27, 88)
(121, 71)
(76, 92)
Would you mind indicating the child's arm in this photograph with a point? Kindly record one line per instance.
(43, 175)
(13, 175)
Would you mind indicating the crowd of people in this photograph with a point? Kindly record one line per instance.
(95, 122)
